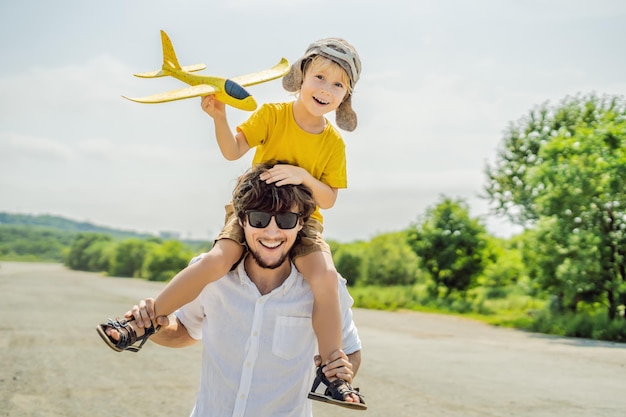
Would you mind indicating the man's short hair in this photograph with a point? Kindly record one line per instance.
(251, 193)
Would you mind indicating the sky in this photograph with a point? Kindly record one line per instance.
(441, 83)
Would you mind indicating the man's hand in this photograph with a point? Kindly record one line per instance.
(145, 314)
(337, 366)
(172, 332)
(144, 318)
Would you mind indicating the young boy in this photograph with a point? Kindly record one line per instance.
(311, 152)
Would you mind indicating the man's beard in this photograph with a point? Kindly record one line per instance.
(262, 264)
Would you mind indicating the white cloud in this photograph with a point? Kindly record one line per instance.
(47, 88)
(138, 153)
(18, 146)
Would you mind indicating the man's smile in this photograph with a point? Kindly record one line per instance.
(270, 244)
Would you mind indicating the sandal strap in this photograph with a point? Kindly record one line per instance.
(343, 388)
(337, 389)
(128, 336)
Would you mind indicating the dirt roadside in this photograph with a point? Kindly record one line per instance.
(52, 363)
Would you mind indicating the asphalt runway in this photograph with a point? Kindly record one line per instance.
(53, 364)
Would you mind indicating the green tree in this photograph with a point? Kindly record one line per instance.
(567, 166)
(99, 255)
(129, 257)
(350, 260)
(450, 245)
(563, 264)
(81, 251)
(389, 260)
(165, 260)
(25, 242)
(503, 265)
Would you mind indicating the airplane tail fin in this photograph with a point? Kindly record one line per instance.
(169, 61)
(169, 56)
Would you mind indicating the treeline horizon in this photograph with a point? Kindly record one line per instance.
(559, 173)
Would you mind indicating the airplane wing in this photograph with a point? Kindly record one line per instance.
(181, 93)
(277, 71)
(161, 73)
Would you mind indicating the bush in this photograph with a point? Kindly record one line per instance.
(129, 257)
(84, 246)
(389, 260)
(387, 298)
(25, 243)
(165, 261)
(586, 325)
(349, 261)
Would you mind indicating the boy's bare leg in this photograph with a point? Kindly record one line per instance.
(319, 271)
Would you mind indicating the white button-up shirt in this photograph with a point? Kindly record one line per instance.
(258, 349)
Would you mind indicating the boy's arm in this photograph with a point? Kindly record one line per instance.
(325, 196)
(232, 146)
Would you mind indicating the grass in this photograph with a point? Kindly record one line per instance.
(506, 307)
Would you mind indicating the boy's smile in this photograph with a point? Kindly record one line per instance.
(323, 90)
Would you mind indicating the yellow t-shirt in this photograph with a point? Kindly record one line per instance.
(273, 131)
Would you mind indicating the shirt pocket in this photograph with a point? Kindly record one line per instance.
(293, 337)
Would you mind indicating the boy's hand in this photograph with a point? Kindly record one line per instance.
(213, 107)
(283, 174)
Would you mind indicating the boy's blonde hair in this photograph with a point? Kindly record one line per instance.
(319, 63)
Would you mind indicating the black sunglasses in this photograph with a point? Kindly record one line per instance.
(261, 219)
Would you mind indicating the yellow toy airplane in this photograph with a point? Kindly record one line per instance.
(228, 91)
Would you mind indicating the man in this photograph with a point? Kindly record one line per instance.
(255, 322)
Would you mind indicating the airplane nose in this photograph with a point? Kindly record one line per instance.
(235, 90)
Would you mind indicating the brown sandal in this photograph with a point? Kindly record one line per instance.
(128, 336)
(336, 392)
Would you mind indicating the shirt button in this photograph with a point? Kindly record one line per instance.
(242, 397)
